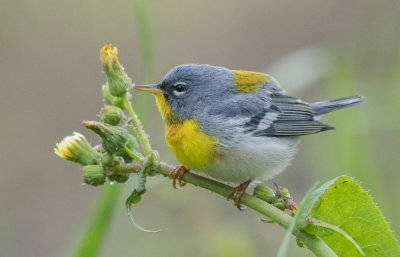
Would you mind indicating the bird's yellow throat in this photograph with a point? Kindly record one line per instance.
(192, 147)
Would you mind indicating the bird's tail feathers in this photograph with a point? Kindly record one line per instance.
(337, 104)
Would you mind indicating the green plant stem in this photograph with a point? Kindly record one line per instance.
(141, 134)
(143, 24)
(134, 154)
(142, 16)
(314, 243)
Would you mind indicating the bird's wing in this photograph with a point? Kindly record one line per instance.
(270, 112)
(285, 116)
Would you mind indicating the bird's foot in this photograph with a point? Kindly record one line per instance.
(177, 174)
(289, 202)
(237, 192)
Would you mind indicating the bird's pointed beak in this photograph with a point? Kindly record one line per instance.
(152, 88)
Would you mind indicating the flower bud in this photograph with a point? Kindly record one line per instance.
(113, 138)
(93, 175)
(280, 204)
(108, 160)
(132, 142)
(265, 193)
(132, 145)
(111, 115)
(77, 149)
(131, 130)
(110, 99)
(117, 79)
(285, 192)
(119, 178)
(112, 163)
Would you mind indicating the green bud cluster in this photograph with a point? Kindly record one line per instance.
(271, 196)
(264, 193)
(105, 161)
(115, 141)
(119, 143)
(112, 163)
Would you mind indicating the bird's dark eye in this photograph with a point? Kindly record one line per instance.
(180, 88)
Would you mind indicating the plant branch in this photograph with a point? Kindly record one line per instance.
(314, 243)
(141, 134)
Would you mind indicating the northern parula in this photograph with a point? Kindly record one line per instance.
(236, 126)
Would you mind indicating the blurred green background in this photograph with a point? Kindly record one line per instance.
(51, 77)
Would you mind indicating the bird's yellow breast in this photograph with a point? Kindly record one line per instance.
(192, 147)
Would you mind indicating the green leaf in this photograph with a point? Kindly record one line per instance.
(346, 218)
(135, 198)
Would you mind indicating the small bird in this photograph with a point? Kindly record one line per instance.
(233, 125)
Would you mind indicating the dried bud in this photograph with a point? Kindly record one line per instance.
(113, 138)
(109, 56)
(93, 175)
(111, 115)
(77, 149)
(265, 193)
(117, 79)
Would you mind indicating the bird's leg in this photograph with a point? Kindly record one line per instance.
(176, 174)
(237, 193)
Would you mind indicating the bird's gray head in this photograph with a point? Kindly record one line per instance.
(190, 88)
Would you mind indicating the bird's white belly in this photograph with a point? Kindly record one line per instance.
(252, 158)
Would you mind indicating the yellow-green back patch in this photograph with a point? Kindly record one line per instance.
(249, 81)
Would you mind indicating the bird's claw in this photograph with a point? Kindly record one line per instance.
(177, 174)
(237, 192)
